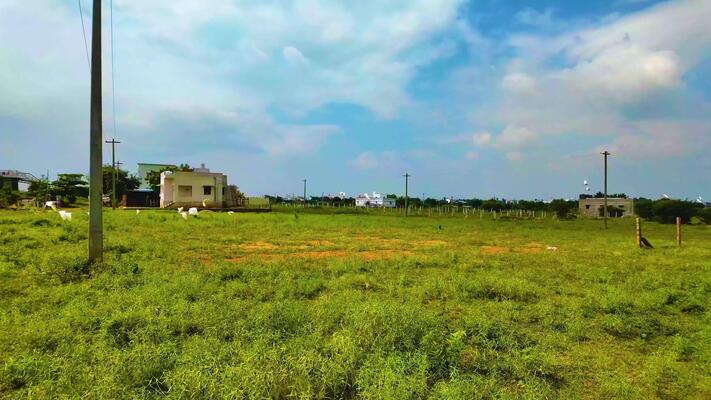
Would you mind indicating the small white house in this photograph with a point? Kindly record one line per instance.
(374, 200)
(195, 188)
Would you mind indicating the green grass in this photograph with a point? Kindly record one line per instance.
(276, 306)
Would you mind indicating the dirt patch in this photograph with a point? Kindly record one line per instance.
(491, 250)
(368, 255)
(258, 246)
(530, 250)
(431, 243)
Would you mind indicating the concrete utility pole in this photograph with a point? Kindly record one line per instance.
(96, 229)
(407, 177)
(115, 172)
(604, 212)
(304, 192)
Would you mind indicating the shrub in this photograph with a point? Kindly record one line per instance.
(666, 211)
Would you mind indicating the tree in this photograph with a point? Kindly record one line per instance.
(644, 208)
(39, 190)
(666, 211)
(124, 181)
(153, 177)
(562, 208)
(8, 196)
(492, 204)
(70, 186)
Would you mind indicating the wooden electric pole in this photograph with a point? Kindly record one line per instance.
(96, 231)
(604, 212)
(115, 172)
(407, 177)
(304, 192)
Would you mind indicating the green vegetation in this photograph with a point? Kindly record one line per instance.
(309, 305)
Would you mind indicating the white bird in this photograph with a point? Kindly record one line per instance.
(585, 182)
(204, 204)
(193, 211)
(230, 212)
(66, 216)
(180, 209)
(138, 212)
(184, 215)
(51, 204)
(587, 188)
(552, 248)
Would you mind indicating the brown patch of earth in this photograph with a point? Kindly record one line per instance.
(491, 250)
(316, 255)
(258, 246)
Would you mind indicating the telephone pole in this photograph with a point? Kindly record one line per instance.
(115, 172)
(96, 229)
(304, 192)
(407, 177)
(604, 212)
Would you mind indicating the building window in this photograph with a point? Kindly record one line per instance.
(223, 191)
(207, 190)
(185, 191)
(587, 206)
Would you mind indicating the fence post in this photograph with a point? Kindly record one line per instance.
(678, 231)
(639, 233)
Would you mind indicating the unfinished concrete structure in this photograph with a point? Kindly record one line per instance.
(617, 206)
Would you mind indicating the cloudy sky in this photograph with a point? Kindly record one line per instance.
(473, 98)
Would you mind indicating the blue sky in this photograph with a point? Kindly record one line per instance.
(513, 99)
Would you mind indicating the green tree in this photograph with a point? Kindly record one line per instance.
(70, 186)
(124, 181)
(666, 211)
(562, 208)
(8, 196)
(644, 208)
(153, 177)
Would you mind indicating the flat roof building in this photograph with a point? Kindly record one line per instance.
(617, 206)
(197, 188)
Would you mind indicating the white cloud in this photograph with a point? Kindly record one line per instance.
(374, 160)
(293, 55)
(600, 80)
(481, 138)
(519, 83)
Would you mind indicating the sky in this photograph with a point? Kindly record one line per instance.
(483, 98)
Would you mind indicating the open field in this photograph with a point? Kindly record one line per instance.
(314, 305)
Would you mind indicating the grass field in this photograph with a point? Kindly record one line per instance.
(307, 306)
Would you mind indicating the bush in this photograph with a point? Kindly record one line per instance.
(705, 215)
(666, 211)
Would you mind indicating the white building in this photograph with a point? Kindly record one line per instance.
(195, 188)
(374, 200)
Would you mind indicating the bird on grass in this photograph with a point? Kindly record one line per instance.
(184, 214)
(66, 216)
(180, 209)
(193, 211)
(230, 212)
(138, 212)
(645, 243)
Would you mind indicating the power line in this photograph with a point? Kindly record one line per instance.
(83, 31)
(113, 85)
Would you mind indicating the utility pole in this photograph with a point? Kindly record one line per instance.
(96, 229)
(604, 212)
(304, 192)
(115, 172)
(407, 177)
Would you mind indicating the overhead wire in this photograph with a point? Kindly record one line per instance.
(113, 78)
(83, 31)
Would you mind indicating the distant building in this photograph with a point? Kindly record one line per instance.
(374, 200)
(192, 188)
(13, 178)
(145, 168)
(617, 206)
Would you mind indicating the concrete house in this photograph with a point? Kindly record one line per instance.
(192, 188)
(594, 206)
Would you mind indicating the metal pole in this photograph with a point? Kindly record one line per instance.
(96, 233)
(604, 212)
(407, 177)
(304, 192)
